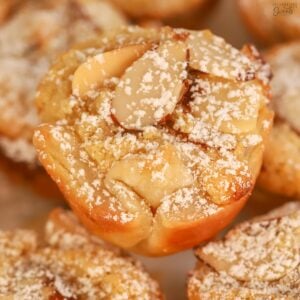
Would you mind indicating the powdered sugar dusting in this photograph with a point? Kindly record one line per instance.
(69, 263)
(191, 155)
(258, 258)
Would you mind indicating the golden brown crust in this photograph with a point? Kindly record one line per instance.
(149, 177)
(68, 264)
(271, 22)
(280, 172)
(258, 259)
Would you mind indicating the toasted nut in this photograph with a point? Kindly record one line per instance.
(151, 88)
(91, 74)
(211, 54)
(265, 250)
(152, 175)
(229, 106)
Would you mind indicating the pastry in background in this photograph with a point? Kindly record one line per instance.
(257, 259)
(271, 21)
(157, 9)
(29, 42)
(7, 8)
(280, 172)
(176, 13)
(67, 263)
(155, 136)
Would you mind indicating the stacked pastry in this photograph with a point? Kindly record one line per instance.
(30, 39)
(156, 138)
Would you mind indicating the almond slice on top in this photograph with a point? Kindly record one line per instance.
(91, 74)
(153, 175)
(265, 250)
(229, 106)
(150, 89)
(211, 54)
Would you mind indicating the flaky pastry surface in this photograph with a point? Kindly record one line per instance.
(258, 259)
(154, 134)
(68, 264)
(29, 41)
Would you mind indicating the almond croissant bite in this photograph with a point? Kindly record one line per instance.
(155, 136)
(280, 172)
(258, 259)
(68, 263)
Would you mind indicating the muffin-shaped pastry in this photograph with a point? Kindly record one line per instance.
(281, 167)
(271, 21)
(157, 8)
(29, 41)
(155, 136)
(68, 264)
(258, 259)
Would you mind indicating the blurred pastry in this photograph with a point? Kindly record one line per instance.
(7, 8)
(155, 136)
(271, 21)
(29, 41)
(19, 207)
(67, 263)
(281, 167)
(157, 9)
(258, 259)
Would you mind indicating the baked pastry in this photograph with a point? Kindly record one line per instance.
(157, 9)
(155, 136)
(271, 21)
(281, 167)
(68, 264)
(25, 55)
(7, 8)
(258, 259)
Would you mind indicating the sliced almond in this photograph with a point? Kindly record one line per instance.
(151, 88)
(152, 175)
(92, 74)
(211, 54)
(228, 106)
(265, 250)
